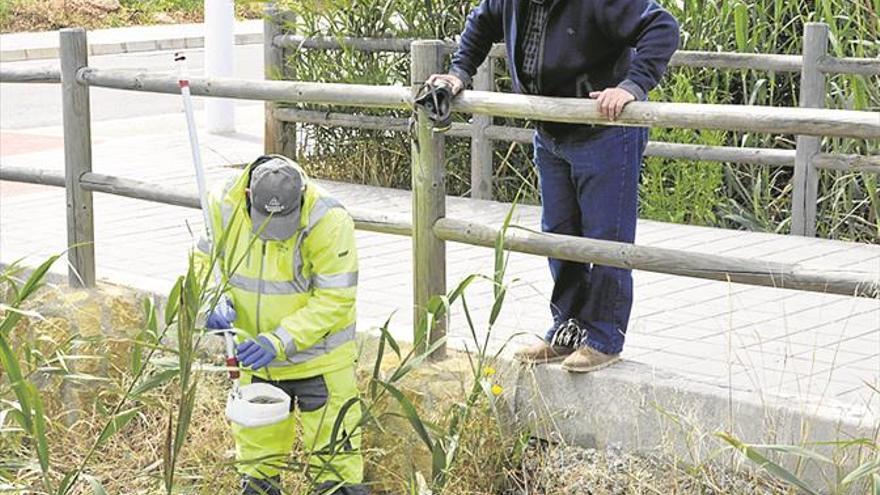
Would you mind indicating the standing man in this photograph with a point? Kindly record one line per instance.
(615, 51)
(290, 248)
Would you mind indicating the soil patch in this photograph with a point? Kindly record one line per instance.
(49, 15)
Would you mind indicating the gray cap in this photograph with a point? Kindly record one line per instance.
(276, 199)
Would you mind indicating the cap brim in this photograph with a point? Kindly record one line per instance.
(276, 227)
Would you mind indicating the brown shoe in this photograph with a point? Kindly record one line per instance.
(542, 352)
(587, 359)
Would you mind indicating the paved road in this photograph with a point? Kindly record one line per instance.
(39, 105)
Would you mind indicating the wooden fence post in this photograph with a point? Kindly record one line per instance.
(77, 158)
(481, 146)
(806, 176)
(429, 200)
(280, 137)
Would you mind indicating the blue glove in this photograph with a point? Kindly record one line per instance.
(222, 316)
(256, 353)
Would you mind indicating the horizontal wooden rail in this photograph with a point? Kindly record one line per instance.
(131, 188)
(724, 154)
(774, 120)
(370, 122)
(697, 152)
(847, 163)
(28, 175)
(682, 58)
(340, 119)
(357, 95)
(679, 151)
(293, 41)
(723, 60)
(806, 121)
(859, 66)
(158, 193)
(49, 75)
(662, 260)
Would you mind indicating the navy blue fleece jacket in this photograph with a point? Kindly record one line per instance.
(589, 45)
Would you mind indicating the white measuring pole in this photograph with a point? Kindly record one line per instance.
(219, 61)
(183, 83)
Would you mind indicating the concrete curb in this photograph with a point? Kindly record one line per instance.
(638, 408)
(42, 53)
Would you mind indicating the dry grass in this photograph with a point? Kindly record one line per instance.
(490, 461)
(48, 15)
(490, 458)
(131, 460)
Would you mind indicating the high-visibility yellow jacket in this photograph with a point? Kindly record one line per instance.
(299, 292)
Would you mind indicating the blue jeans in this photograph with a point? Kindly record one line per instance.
(589, 188)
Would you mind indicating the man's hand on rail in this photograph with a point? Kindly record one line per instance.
(455, 84)
(611, 101)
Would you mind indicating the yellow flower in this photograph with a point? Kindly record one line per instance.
(497, 390)
(489, 371)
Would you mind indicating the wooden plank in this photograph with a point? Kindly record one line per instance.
(131, 188)
(36, 75)
(373, 122)
(847, 163)
(694, 152)
(718, 60)
(374, 45)
(662, 260)
(77, 158)
(773, 120)
(357, 95)
(805, 183)
(727, 154)
(32, 176)
(339, 119)
(860, 66)
(481, 146)
(428, 203)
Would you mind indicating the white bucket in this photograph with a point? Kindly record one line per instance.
(258, 404)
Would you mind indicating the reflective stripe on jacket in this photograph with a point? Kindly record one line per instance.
(299, 292)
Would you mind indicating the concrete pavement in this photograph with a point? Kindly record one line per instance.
(39, 105)
(43, 45)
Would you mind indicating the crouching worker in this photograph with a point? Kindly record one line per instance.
(290, 248)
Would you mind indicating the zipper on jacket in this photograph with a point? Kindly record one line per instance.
(260, 283)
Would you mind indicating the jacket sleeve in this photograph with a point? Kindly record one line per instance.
(482, 28)
(331, 250)
(649, 28)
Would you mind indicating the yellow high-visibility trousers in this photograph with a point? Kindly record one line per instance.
(317, 402)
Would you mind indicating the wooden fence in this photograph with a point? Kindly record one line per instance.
(429, 226)
(806, 159)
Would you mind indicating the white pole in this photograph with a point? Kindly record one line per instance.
(183, 83)
(219, 61)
